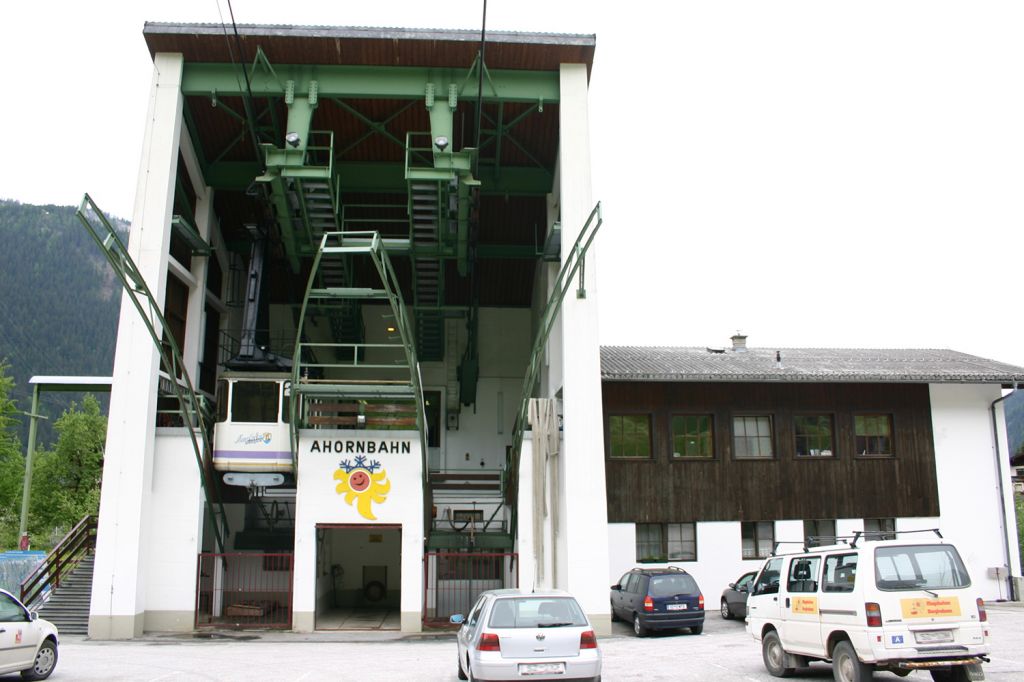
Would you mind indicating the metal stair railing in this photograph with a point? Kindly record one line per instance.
(191, 407)
(62, 559)
(574, 263)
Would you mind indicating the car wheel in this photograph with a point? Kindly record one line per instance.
(726, 613)
(774, 655)
(638, 628)
(46, 661)
(697, 629)
(462, 673)
(846, 667)
(899, 672)
(942, 675)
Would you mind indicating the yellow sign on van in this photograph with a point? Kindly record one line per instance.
(930, 608)
(805, 605)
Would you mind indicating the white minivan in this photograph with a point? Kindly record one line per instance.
(897, 605)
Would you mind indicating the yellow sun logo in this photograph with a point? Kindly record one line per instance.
(363, 483)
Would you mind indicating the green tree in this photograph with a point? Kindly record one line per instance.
(66, 480)
(12, 464)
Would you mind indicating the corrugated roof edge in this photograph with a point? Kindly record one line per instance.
(990, 371)
(374, 33)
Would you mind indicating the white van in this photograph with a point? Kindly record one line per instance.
(899, 605)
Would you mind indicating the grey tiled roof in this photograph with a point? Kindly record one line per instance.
(638, 363)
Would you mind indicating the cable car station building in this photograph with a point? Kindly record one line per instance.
(355, 256)
(357, 378)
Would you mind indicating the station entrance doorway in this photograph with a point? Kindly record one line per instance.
(358, 576)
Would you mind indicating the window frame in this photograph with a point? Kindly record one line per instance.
(664, 555)
(834, 536)
(892, 435)
(771, 436)
(881, 533)
(672, 437)
(757, 549)
(796, 435)
(650, 437)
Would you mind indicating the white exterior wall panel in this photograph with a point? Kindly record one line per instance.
(173, 542)
(318, 502)
(970, 509)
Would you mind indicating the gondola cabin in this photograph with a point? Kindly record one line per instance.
(252, 431)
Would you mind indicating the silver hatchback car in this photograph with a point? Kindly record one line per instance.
(514, 635)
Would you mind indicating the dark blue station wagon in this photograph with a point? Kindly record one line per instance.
(658, 599)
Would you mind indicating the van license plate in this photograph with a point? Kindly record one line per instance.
(542, 668)
(676, 607)
(933, 636)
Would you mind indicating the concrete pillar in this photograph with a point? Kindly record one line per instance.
(584, 523)
(118, 589)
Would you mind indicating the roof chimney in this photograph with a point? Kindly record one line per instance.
(739, 343)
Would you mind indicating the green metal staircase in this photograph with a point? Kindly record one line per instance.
(428, 270)
(368, 378)
(304, 191)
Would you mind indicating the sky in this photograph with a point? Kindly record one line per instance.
(811, 173)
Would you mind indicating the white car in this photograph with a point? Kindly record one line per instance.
(897, 605)
(28, 644)
(514, 635)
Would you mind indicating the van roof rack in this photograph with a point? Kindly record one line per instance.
(808, 543)
(868, 534)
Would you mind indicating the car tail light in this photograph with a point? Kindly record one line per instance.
(982, 614)
(488, 642)
(700, 602)
(648, 604)
(588, 640)
(874, 613)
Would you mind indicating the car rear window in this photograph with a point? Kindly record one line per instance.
(916, 567)
(669, 585)
(536, 612)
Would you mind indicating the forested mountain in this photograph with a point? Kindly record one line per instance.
(59, 304)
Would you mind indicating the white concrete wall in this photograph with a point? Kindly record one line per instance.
(970, 509)
(582, 458)
(173, 539)
(484, 431)
(119, 589)
(317, 501)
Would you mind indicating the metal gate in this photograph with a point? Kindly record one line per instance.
(244, 590)
(454, 580)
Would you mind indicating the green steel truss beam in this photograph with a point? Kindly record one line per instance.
(191, 407)
(368, 82)
(389, 178)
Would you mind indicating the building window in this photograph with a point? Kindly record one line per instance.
(752, 437)
(758, 539)
(813, 435)
(817, 533)
(629, 435)
(873, 433)
(659, 542)
(692, 436)
(880, 529)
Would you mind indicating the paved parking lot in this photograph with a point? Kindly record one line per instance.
(723, 653)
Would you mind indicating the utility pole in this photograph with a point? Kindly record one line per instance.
(27, 490)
